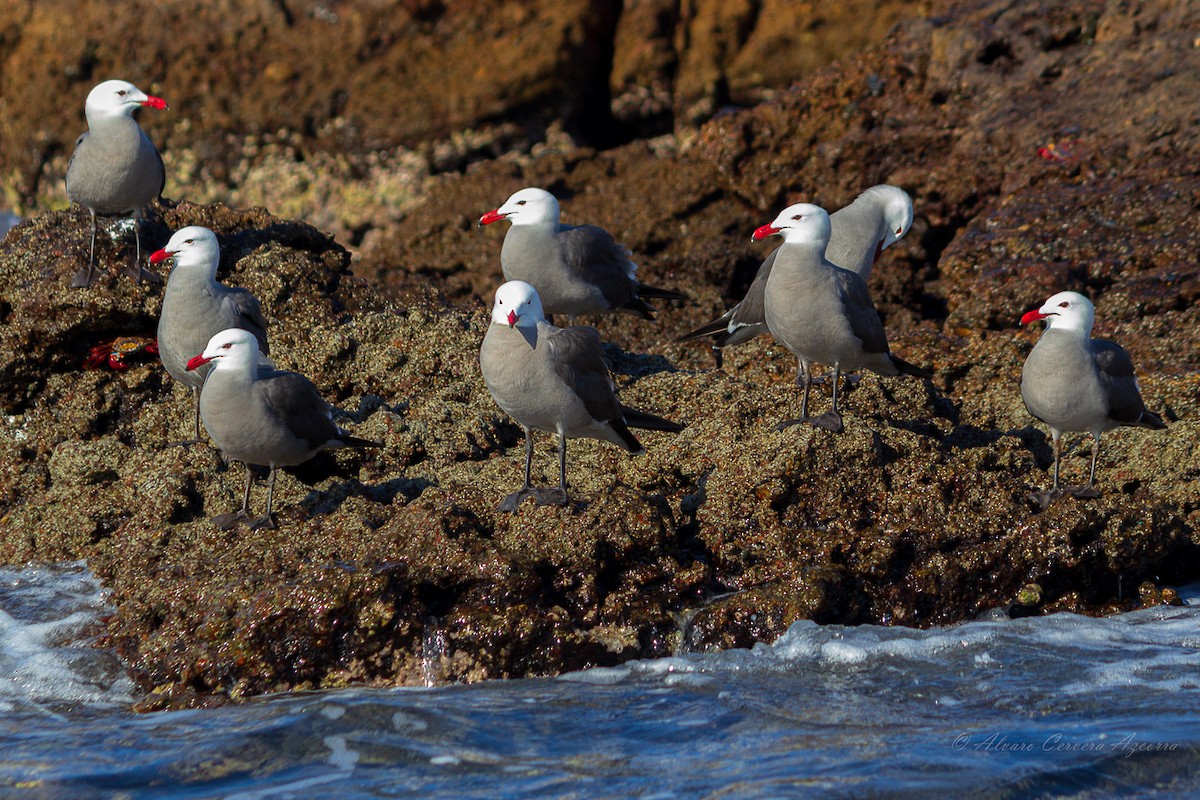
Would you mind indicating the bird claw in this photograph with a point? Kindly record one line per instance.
(829, 421)
(556, 496)
(1044, 498)
(1087, 492)
(228, 522)
(138, 273)
(266, 521)
(83, 278)
(787, 423)
(544, 497)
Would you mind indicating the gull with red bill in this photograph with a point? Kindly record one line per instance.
(195, 308)
(554, 380)
(1078, 384)
(821, 312)
(878, 218)
(262, 416)
(115, 168)
(576, 269)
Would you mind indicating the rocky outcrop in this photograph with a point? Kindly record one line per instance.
(1045, 148)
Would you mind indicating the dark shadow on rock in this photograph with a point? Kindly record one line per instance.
(329, 501)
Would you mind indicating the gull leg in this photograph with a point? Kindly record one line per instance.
(84, 277)
(229, 521)
(266, 520)
(509, 504)
(138, 271)
(832, 420)
(1044, 498)
(803, 378)
(557, 496)
(1090, 490)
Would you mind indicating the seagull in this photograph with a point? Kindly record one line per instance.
(576, 269)
(1075, 383)
(195, 308)
(115, 168)
(262, 416)
(554, 380)
(877, 219)
(821, 312)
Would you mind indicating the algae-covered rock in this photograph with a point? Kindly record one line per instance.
(1045, 149)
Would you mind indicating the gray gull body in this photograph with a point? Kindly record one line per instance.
(115, 168)
(262, 416)
(195, 307)
(878, 218)
(575, 269)
(1078, 384)
(821, 312)
(554, 380)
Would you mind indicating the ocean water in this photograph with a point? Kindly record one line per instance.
(1037, 707)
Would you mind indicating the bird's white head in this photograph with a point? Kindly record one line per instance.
(802, 222)
(1065, 311)
(193, 246)
(527, 207)
(517, 305)
(117, 98)
(897, 210)
(232, 348)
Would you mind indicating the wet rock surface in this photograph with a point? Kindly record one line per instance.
(1045, 149)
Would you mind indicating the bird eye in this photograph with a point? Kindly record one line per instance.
(189, 241)
(227, 345)
(1064, 304)
(520, 202)
(798, 216)
(121, 93)
(900, 230)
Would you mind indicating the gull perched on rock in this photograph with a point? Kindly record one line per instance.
(554, 380)
(195, 308)
(1078, 384)
(115, 169)
(821, 312)
(877, 219)
(576, 269)
(262, 416)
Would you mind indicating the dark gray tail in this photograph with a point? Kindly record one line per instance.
(1149, 419)
(648, 422)
(714, 328)
(910, 369)
(346, 440)
(659, 294)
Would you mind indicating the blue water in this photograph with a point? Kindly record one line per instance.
(1042, 707)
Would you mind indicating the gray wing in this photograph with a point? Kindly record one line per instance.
(298, 405)
(1115, 368)
(860, 311)
(753, 308)
(162, 171)
(250, 316)
(576, 356)
(591, 254)
(75, 151)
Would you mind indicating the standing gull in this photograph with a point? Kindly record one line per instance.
(554, 380)
(195, 308)
(115, 168)
(1075, 383)
(877, 219)
(821, 312)
(263, 416)
(576, 269)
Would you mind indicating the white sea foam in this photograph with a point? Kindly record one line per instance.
(49, 617)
